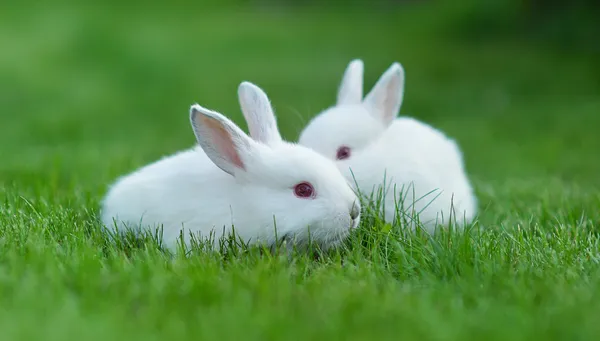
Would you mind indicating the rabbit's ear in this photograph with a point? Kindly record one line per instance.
(385, 98)
(351, 87)
(222, 141)
(258, 113)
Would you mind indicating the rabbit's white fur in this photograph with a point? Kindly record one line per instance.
(234, 180)
(417, 163)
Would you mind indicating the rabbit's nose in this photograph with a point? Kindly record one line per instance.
(354, 211)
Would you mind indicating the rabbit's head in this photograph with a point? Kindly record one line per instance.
(300, 191)
(354, 122)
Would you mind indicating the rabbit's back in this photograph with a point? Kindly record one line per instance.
(426, 143)
(182, 190)
(443, 158)
(423, 164)
(443, 155)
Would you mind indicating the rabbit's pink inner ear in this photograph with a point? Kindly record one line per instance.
(223, 141)
(390, 107)
(385, 98)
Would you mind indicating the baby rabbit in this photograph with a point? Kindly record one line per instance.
(419, 168)
(251, 184)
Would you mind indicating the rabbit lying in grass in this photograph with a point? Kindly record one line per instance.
(232, 180)
(419, 169)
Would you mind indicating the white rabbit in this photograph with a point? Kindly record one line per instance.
(417, 164)
(252, 184)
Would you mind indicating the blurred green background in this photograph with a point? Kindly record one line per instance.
(91, 91)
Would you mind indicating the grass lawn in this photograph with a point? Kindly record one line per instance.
(90, 93)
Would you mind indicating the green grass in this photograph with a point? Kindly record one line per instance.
(90, 93)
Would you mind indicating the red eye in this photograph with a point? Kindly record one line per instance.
(343, 153)
(304, 190)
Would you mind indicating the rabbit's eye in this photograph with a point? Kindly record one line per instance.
(343, 153)
(304, 190)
